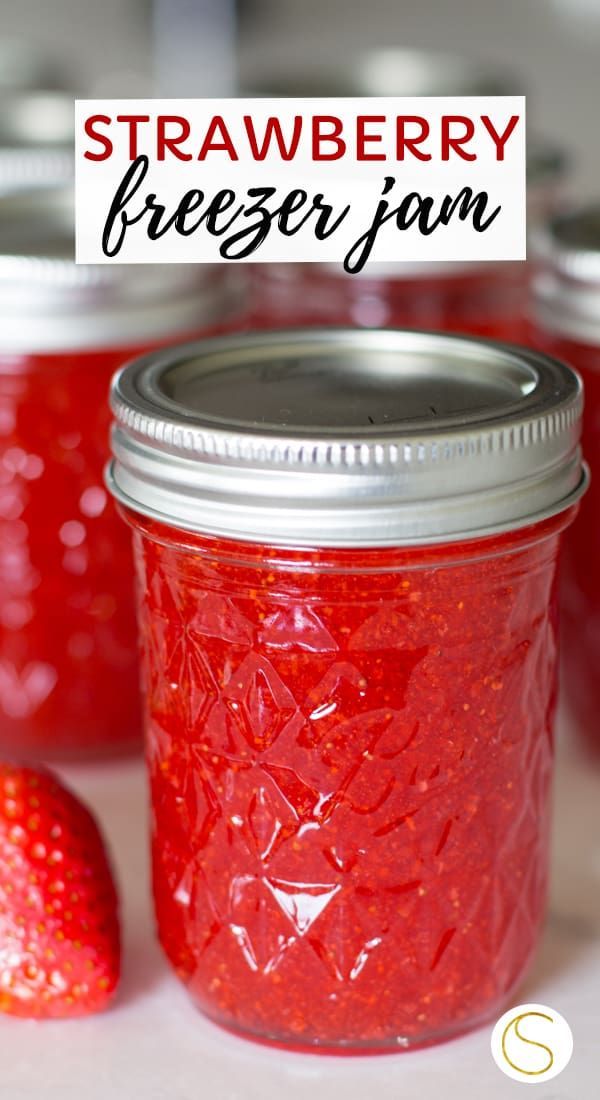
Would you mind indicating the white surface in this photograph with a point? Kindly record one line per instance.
(153, 1045)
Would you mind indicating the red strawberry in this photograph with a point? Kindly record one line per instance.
(59, 927)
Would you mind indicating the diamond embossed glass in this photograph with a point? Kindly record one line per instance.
(350, 728)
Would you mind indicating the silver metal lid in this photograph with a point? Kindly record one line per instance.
(48, 302)
(377, 72)
(338, 437)
(566, 288)
(36, 139)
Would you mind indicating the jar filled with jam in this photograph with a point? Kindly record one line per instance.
(486, 299)
(346, 547)
(68, 671)
(566, 320)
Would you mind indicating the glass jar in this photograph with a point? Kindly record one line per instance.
(68, 648)
(346, 548)
(486, 299)
(36, 140)
(567, 323)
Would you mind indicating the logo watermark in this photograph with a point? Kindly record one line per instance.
(532, 1043)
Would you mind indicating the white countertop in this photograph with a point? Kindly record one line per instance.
(154, 1045)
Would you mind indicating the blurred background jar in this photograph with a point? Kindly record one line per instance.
(37, 88)
(483, 299)
(68, 675)
(25, 64)
(566, 318)
(36, 139)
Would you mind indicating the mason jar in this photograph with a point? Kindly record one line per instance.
(68, 670)
(484, 299)
(346, 546)
(566, 320)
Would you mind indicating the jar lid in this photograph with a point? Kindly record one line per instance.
(48, 302)
(566, 285)
(342, 437)
(36, 139)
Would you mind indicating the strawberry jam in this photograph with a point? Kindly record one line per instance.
(349, 729)
(350, 758)
(483, 302)
(67, 628)
(68, 649)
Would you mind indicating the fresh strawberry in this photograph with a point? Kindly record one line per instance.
(59, 927)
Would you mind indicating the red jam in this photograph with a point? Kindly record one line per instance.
(488, 302)
(580, 589)
(350, 756)
(68, 637)
(68, 676)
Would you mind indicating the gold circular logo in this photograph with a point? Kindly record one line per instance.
(532, 1043)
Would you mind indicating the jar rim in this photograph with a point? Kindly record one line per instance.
(467, 437)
